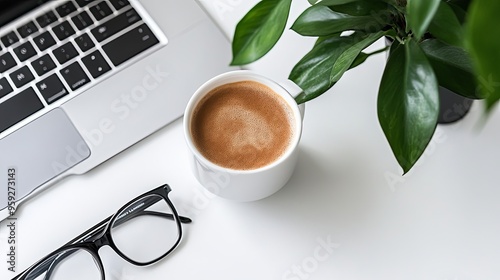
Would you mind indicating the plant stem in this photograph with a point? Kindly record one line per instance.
(400, 40)
(378, 51)
(401, 3)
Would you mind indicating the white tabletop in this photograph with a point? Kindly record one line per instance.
(347, 213)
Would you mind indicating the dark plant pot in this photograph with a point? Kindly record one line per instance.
(452, 107)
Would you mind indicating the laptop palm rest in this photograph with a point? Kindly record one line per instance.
(38, 152)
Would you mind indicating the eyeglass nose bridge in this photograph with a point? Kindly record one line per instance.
(102, 241)
(95, 246)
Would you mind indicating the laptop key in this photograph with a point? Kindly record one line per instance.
(115, 25)
(118, 4)
(83, 3)
(9, 39)
(6, 62)
(46, 19)
(136, 40)
(75, 76)
(43, 65)
(84, 42)
(65, 53)
(101, 10)
(51, 88)
(66, 9)
(82, 20)
(5, 87)
(27, 29)
(19, 107)
(44, 41)
(96, 64)
(25, 51)
(63, 30)
(22, 76)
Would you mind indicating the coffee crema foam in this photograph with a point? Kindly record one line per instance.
(243, 125)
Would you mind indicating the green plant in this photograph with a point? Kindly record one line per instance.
(427, 51)
(483, 41)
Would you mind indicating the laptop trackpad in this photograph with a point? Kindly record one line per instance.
(38, 152)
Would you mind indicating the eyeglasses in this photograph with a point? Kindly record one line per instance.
(142, 232)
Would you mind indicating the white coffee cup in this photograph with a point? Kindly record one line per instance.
(245, 185)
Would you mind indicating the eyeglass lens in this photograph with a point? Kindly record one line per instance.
(146, 229)
(69, 264)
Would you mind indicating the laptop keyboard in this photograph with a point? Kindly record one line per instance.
(64, 49)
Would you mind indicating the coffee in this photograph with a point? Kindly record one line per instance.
(242, 125)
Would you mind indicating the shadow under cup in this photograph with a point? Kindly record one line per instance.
(239, 184)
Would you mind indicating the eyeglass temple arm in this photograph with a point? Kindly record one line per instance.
(140, 210)
(97, 229)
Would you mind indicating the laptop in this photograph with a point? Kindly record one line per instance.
(82, 80)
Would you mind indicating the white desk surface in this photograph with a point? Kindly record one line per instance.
(439, 222)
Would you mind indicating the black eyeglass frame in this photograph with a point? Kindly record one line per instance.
(100, 235)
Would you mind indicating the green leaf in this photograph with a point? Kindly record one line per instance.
(321, 39)
(420, 14)
(483, 41)
(312, 72)
(408, 103)
(453, 67)
(348, 56)
(259, 30)
(460, 13)
(341, 2)
(362, 57)
(361, 8)
(464, 4)
(330, 2)
(322, 21)
(446, 26)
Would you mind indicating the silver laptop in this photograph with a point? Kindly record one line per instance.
(82, 80)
